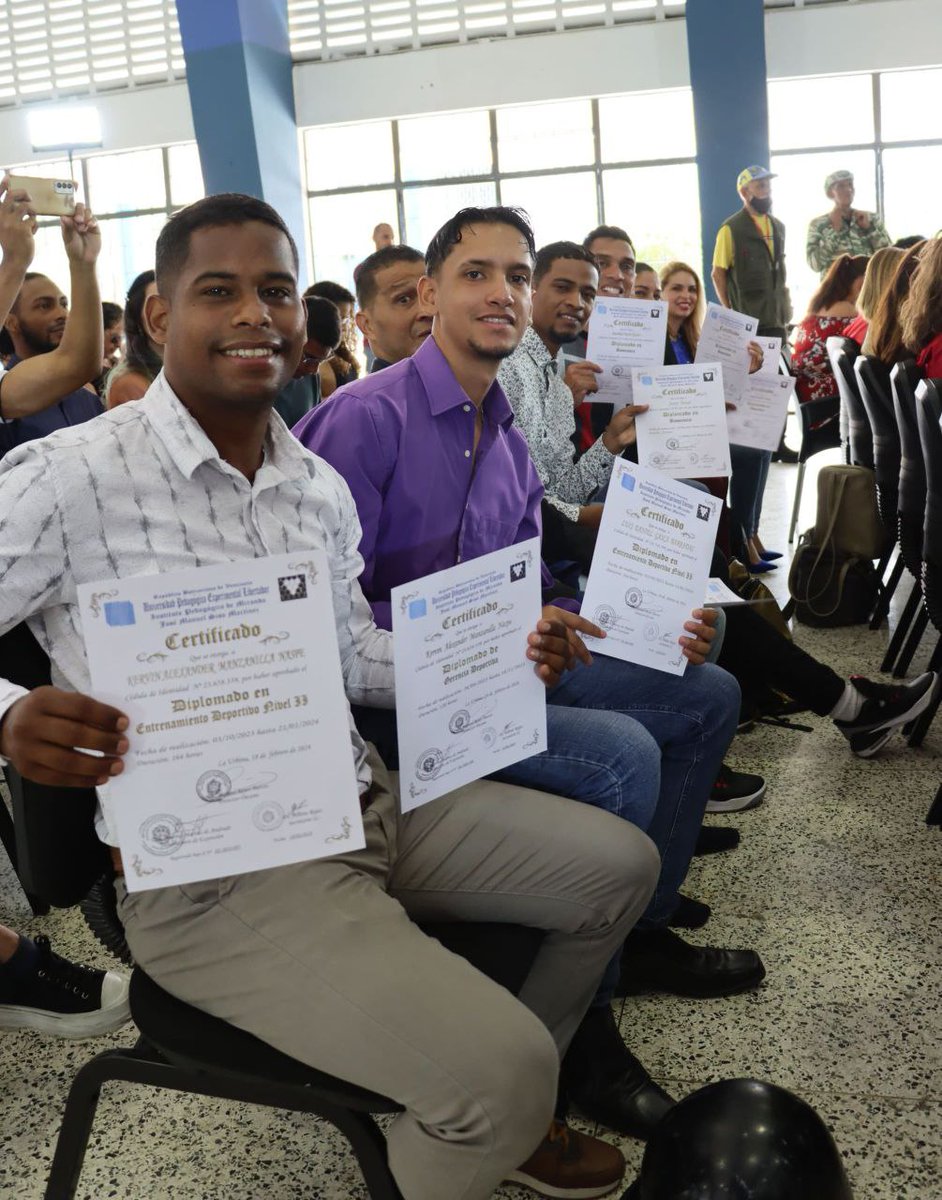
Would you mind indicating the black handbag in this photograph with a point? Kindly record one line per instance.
(829, 587)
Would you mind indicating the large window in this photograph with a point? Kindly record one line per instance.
(132, 194)
(570, 164)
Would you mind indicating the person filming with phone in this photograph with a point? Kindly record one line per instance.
(50, 352)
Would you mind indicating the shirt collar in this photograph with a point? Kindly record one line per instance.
(443, 390)
(189, 447)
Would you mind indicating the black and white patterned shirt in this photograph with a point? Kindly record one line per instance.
(142, 490)
(543, 412)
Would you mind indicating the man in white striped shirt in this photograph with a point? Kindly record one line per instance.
(321, 959)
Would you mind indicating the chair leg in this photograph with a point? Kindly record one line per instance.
(77, 1120)
(912, 644)
(882, 606)
(369, 1148)
(899, 634)
(8, 838)
(920, 727)
(934, 815)
(799, 482)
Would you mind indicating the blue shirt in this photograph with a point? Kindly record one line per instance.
(74, 409)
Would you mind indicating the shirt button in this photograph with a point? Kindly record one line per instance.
(467, 453)
(467, 408)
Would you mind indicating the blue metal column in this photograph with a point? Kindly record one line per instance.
(726, 49)
(239, 75)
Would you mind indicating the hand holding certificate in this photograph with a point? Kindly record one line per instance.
(467, 699)
(240, 755)
(651, 565)
(725, 339)
(683, 433)
(761, 413)
(624, 334)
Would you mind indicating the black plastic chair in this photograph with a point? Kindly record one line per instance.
(911, 509)
(820, 430)
(873, 380)
(842, 353)
(929, 414)
(181, 1048)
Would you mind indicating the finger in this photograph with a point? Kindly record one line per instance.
(591, 366)
(578, 622)
(40, 774)
(550, 647)
(88, 767)
(548, 676)
(704, 632)
(580, 650)
(706, 615)
(86, 711)
(57, 731)
(695, 659)
(730, 407)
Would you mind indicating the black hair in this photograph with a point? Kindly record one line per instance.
(111, 314)
(6, 338)
(639, 267)
(451, 232)
(907, 243)
(323, 321)
(615, 232)
(140, 355)
(378, 261)
(329, 290)
(547, 255)
(226, 208)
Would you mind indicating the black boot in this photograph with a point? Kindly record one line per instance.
(606, 1082)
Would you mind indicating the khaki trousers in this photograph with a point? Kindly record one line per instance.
(322, 960)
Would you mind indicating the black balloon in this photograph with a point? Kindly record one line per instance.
(741, 1139)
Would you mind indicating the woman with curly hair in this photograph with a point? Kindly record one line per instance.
(921, 314)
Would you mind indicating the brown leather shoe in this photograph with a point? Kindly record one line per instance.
(568, 1165)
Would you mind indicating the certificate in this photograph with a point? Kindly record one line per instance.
(760, 415)
(771, 354)
(240, 755)
(725, 339)
(650, 567)
(683, 433)
(624, 334)
(468, 701)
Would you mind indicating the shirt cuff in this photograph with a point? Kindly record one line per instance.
(9, 694)
(569, 511)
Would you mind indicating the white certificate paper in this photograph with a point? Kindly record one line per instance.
(684, 432)
(240, 755)
(725, 339)
(771, 354)
(468, 701)
(650, 567)
(761, 413)
(624, 334)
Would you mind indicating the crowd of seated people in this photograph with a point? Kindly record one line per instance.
(466, 436)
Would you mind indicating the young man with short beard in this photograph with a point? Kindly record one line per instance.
(318, 959)
(441, 475)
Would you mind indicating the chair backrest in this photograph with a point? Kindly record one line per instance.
(58, 854)
(874, 382)
(929, 414)
(842, 353)
(911, 496)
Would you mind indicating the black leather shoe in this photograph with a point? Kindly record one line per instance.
(605, 1081)
(714, 839)
(689, 913)
(659, 960)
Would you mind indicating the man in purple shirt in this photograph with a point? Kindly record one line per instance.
(439, 476)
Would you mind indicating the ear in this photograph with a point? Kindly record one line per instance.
(428, 292)
(156, 318)
(363, 324)
(12, 324)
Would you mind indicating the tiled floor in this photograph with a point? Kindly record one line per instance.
(837, 883)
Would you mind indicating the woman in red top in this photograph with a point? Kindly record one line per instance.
(922, 311)
(832, 308)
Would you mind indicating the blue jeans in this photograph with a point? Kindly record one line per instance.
(750, 470)
(668, 733)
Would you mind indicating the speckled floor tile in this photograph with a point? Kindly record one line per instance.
(836, 884)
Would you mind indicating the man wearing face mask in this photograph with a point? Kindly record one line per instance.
(749, 257)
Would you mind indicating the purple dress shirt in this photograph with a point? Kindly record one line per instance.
(403, 440)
